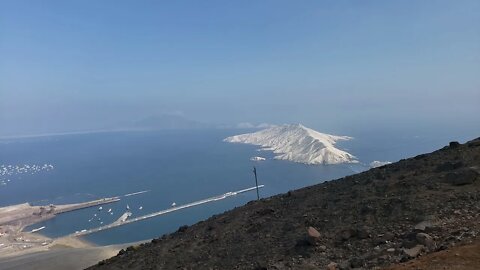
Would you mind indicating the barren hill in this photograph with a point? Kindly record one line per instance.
(383, 216)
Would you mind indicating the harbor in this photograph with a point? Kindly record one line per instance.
(15, 218)
(123, 220)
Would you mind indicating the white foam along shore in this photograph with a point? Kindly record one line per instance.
(298, 143)
(376, 163)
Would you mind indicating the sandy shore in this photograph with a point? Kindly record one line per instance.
(14, 241)
(27, 243)
(59, 253)
(61, 256)
(71, 242)
(32, 250)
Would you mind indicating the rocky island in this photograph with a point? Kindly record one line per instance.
(298, 143)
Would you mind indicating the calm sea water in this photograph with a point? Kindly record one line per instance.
(175, 166)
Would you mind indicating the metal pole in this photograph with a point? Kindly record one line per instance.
(256, 181)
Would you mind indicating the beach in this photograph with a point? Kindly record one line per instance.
(68, 253)
(21, 249)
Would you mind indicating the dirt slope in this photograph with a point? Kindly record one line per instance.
(370, 220)
(465, 257)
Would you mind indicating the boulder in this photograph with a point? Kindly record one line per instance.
(332, 266)
(414, 252)
(422, 226)
(407, 243)
(313, 236)
(454, 144)
(462, 177)
(426, 240)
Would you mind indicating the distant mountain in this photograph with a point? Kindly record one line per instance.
(299, 144)
(167, 121)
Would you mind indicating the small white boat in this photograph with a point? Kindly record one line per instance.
(109, 210)
(174, 204)
(111, 213)
(140, 208)
(128, 207)
(100, 208)
(38, 229)
(257, 159)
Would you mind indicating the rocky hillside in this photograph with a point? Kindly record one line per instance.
(384, 216)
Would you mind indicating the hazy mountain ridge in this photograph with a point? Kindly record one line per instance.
(168, 121)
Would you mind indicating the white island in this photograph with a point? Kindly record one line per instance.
(298, 144)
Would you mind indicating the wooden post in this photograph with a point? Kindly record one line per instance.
(256, 181)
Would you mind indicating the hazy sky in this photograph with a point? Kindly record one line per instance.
(70, 65)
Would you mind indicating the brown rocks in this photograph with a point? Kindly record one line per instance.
(313, 236)
(332, 266)
(426, 240)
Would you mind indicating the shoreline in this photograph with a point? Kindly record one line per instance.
(60, 253)
(50, 244)
(14, 219)
(61, 256)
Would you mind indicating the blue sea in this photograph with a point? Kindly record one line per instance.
(174, 166)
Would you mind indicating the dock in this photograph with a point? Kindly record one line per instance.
(14, 219)
(162, 212)
(72, 207)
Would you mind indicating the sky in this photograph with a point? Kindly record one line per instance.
(331, 65)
